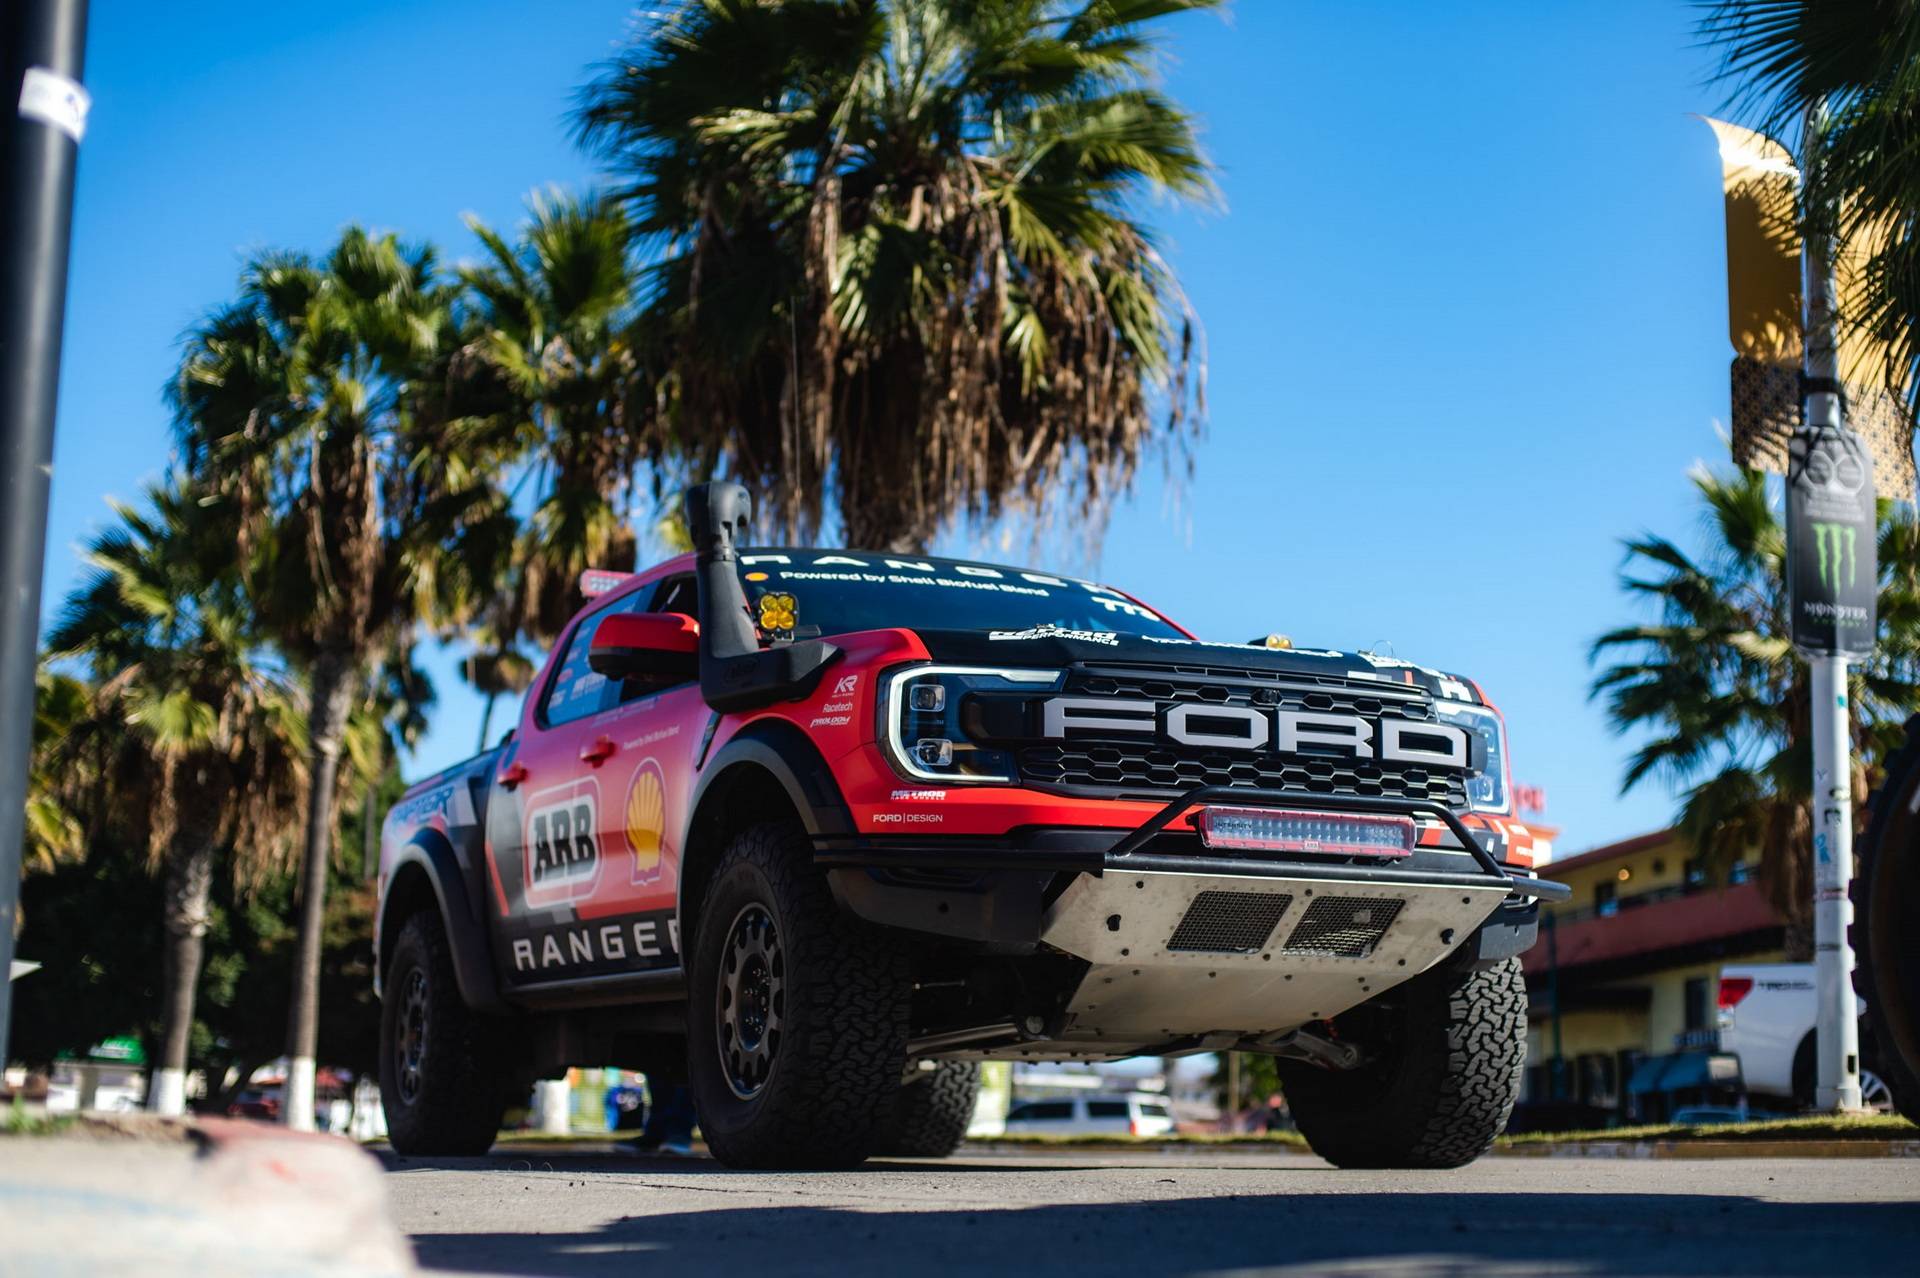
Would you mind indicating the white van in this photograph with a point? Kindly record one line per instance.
(1098, 1114)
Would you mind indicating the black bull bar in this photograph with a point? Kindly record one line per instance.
(1078, 851)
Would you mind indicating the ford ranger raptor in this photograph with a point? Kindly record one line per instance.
(820, 830)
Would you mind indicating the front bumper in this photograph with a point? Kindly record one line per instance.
(1181, 942)
(1463, 862)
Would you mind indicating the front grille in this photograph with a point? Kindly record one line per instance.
(1343, 926)
(1159, 768)
(1155, 768)
(1263, 688)
(1229, 922)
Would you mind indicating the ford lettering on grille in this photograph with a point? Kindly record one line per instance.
(1252, 728)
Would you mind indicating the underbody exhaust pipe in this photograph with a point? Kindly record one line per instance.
(736, 673)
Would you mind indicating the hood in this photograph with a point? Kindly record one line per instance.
(1051, 646)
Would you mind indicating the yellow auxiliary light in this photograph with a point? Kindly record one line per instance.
(1279, 641)
(778, 612)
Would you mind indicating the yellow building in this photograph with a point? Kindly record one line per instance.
(1623, 982)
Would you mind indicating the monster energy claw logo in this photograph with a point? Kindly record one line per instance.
(1836, 545)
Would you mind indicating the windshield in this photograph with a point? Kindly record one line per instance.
(822, 592)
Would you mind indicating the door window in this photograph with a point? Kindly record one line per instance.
(675, 594)
(576, 691)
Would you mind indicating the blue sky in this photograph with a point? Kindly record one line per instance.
(1464, 302)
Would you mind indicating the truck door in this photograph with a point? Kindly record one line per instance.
(584, 821)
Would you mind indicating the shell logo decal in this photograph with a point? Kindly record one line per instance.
(646, 821)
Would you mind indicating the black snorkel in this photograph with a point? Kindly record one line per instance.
(736, 673)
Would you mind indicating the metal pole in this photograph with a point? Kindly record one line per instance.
(44, 48)
(1837, 1045)
(1556, 1089)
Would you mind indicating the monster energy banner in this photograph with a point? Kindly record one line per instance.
(1832, 568)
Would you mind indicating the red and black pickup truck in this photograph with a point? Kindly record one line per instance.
(821, 830)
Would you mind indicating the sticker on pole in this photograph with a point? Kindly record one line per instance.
(54, 100)
(1833, 569)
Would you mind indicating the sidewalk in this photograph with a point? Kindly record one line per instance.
(193, 1198)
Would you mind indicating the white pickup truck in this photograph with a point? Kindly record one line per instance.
(1767, 1017)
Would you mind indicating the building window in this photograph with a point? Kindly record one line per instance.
(1740, 872)
(1696, 999)
(1693, 873)
(1604, 902)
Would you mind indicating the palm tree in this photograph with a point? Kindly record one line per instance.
(1725, 697)
(53, 833)
(553, 366)
(203, 735)
(894, 254)
(1851, 61)
(550, 307)
(392, 717)
(318, 404)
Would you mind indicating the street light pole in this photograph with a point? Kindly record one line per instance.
(1837, 1041)
(46, 111)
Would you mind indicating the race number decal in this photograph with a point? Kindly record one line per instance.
(562, 841)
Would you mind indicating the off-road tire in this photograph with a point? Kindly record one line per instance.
(1441, 1086)
(1885, 932)
(931, 1111)
(459, 1091)
(845, 990)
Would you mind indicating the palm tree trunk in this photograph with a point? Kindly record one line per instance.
(486, 721)
(189, 889)
(370, 833)
(332, 691)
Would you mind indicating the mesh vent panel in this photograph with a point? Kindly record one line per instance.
(1343, 926)
(1229, 922)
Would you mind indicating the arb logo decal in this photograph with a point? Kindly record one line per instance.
(646, 820)
(563, 844)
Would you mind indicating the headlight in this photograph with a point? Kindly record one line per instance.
(922, 723)
(1487, 788)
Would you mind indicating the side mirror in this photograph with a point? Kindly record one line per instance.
(647, 645)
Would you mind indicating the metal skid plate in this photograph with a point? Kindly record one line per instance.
(1203, 954)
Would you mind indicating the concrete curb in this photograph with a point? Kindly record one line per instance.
(193, 1198)
(1718, 1149)
(1755, 1148)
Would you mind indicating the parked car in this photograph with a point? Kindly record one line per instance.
(1711, 1115)
(256, 1102)
(1098, 1114)
(1767, 1018)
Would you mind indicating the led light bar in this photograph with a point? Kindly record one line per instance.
(1307, 833)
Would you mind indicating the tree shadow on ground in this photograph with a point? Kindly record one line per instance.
(1410, 1235)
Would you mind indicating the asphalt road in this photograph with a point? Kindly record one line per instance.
(1186, 1213)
